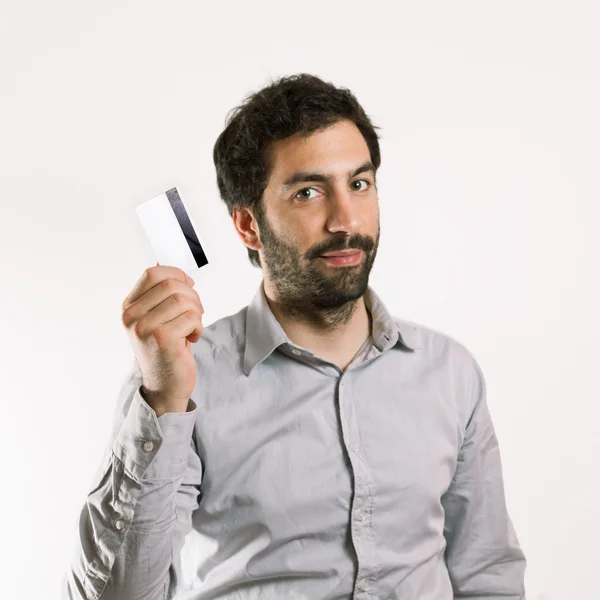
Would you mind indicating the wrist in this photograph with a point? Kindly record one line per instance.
(161, 405)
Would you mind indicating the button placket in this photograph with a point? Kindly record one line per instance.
(361, 534)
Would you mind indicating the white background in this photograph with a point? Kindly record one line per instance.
(489, 200)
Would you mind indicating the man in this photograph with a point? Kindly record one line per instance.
(312, 445)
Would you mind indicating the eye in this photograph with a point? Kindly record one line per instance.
(298, 195)
(302, 196)
(365, 181)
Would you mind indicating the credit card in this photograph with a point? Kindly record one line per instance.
(171, 231)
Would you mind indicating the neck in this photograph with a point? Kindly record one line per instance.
(335, 334)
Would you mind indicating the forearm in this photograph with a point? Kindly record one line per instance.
(128, 523)
(483, 554)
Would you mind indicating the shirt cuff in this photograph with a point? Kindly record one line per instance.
(152, 447)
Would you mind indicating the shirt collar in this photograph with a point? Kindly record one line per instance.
(264, 333)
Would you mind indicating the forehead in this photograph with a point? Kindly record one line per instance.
(336, 149)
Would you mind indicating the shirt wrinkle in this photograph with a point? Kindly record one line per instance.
(290, 478)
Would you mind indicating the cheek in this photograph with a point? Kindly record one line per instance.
(372, 220)
(294, 236)
(304, 232)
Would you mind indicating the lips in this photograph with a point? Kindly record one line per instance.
(342, 253)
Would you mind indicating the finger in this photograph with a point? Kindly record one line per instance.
(186, 324)
(152, 277)
(161, 303)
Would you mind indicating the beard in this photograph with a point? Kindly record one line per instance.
(308, 288)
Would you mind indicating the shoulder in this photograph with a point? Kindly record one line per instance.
(223, 336)
(435, 344)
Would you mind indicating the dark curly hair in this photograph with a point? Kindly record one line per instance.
(300, 103)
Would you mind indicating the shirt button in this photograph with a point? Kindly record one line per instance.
(360, 515)
(353, 447)
(148, 446)
(296, 352)
(120, 524)
(118, 467)
(362, 586)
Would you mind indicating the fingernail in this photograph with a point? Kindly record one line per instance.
(190, 279)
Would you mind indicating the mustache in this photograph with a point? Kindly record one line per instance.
(355, 243)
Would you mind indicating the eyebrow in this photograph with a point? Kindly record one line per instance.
(305, 176)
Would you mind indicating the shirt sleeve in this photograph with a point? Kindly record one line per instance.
(483, 555)
(134, 521)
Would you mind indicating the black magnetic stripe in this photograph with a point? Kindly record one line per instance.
(186, 227)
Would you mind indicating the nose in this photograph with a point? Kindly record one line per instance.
(343, 214)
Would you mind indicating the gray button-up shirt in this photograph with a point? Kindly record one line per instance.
(290, 478)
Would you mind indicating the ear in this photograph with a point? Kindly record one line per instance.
(246, 227)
